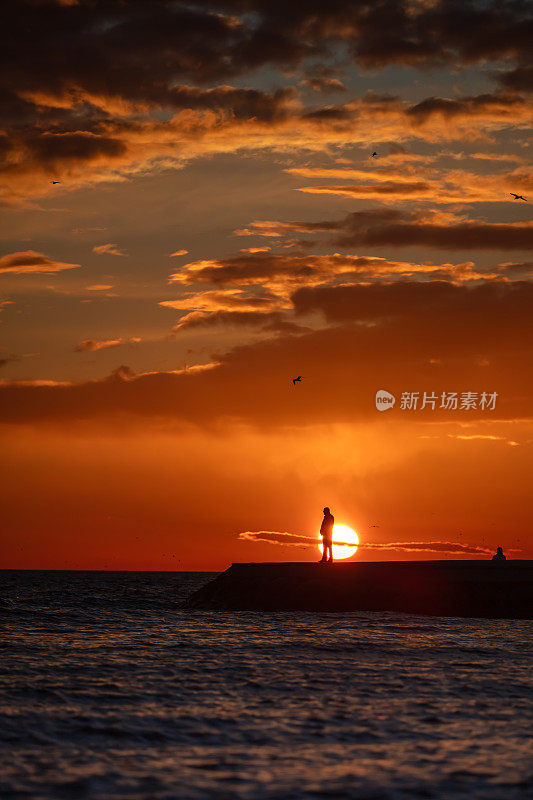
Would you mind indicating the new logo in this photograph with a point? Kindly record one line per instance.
(384, 400)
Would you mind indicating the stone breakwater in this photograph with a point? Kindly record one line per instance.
(437, 588)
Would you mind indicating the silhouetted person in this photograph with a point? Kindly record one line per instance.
(498, 555)
(326, 531)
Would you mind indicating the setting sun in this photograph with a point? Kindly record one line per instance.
(342, 533)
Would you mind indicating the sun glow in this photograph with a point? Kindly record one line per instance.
(342, 533)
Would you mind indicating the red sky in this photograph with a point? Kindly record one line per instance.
(218, 227)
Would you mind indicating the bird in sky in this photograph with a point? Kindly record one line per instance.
(374, 526)
(54, 181)
(296, 380)
(374, 154)
(518, 197)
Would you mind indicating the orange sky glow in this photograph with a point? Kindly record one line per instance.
(192, 217)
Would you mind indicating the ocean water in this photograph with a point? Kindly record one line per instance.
(110, 690)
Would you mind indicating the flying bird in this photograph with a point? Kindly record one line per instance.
(518, 197)
(374, 154)
(296, 380)
(54, 181)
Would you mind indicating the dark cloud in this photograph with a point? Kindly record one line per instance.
(125, 41)
(49, 148)
(409, 33)
(500, 301)
(395, 31)
(329, 114)
(140, 51)
(243, 103)
(458, 236)
(465, 106)
(386, 226)
(94, 87)
(521, 268)
(409, 337)
(519, 79)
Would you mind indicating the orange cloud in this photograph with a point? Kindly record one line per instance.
(227, 122)
(393, 190)
(108, 250)
(93, 345)
(28, 261)
(295, 540)
(170, 98)
(437, 184)
(230, 307)
(281, 273)
(266, 321)
(222, 300)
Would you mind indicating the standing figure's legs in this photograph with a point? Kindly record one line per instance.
(324, 551)
(330, 549)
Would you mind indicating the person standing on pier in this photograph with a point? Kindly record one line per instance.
(499, 555)
(326, 531)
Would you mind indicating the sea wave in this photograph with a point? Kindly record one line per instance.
(110, 689)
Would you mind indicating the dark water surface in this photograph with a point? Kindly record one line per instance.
(110, 690)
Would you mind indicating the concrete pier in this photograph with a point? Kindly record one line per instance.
(437, 588)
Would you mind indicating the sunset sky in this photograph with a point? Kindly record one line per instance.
(218, 227)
